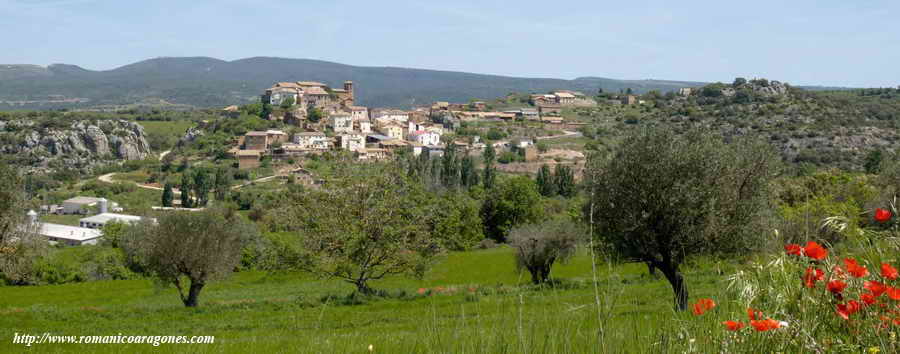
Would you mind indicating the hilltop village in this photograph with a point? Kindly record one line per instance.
(327, 119)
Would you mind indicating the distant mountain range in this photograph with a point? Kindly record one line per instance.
(209, 82)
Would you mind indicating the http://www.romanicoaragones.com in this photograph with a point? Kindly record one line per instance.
(47, 338)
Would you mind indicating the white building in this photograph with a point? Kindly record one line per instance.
(353, 141)
(311, 140)
(359, 113)
(81, 205)
(365, 126)
(100, 220)
(390, 114)
(65, 234)
(425, 137)
(341, 123)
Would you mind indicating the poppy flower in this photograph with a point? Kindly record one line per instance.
(815, 251)
(867, 298)
(793, 249)
(422, 291)
(733, 325)
(811, 276)
(836, 286)
(765, 325)
(855, 269)
(703, 305)
(753, 314)
(893, 293)
(874, 287)
(848, 309)
(888, 271)
(882, 215)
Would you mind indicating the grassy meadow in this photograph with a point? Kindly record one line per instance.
(475, 302)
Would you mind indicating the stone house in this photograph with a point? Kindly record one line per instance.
(549, 110)
(256, 141)
(359, 113)
(391, 130)
(364, 126)
(248, 159)
(629, 100)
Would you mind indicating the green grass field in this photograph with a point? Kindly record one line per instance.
(168, 128)
(491, 308)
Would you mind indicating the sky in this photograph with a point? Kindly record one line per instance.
(822, 42)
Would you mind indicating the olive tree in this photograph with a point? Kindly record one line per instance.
(662, 197)
(189, 249)
(20, 244)
(539, 246)
(369, 221)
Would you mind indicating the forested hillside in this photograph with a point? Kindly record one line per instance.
(208, 82)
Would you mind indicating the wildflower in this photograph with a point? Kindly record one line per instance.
(811, 276)
(815, 251)
(848, 309)
(867, 298)
(733, 325)
(703, 305)
(874, 287)
(882, 215)
(839, 272)
(793, 249)
(855, 269)
(893, 293)
(874, 350)
(836, 286)
(765, 325)
(888, 271)
(753, 314)
(422, 291)
(371, 348)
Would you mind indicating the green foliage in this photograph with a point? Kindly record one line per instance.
(168, 195)
(662, 198)
(490, 172)
(564, 181)
(359, 229)
(314, 114)
(545, 183)
(514, 201)
(539, 246)
(455, 220)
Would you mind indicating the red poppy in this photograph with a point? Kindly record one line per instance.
(888, 271)
(811, 276)
(733, 325)
(703, 305)
(845, 310)
(855, 269)
(875, 287)
(882, 215)
(893, 293)
(836, 286)
(867, 298)
(422, 291)
(793, 249)
(765, 325)
(815, 251)
(753, 314)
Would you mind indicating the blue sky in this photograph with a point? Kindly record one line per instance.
(824, 42)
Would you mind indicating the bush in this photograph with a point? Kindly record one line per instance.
(539, 246)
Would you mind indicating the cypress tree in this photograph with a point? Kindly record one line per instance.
(546, 182)
(168, 195)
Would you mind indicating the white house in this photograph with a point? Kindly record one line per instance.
(390, 114)
(311, 140)
(359, 113)
(365, 125)
(353, 141)
(65, 234)
(100, 220)
(425, 137)
(80, 205)
(341, 123)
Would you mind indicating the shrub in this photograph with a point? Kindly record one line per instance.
(539, 246)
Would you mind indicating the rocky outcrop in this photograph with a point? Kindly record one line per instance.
(82, 145)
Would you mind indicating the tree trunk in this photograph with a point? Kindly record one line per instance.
(363, 288)
(193, 294)
(535, 275)
(651, 268)
(673, 275)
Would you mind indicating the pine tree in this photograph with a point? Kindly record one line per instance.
(223, 184)
(168, 195)
(490, 175)
(467, 174)
(186, 188)
(546, 182)
(564, 179)
(449, 168)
